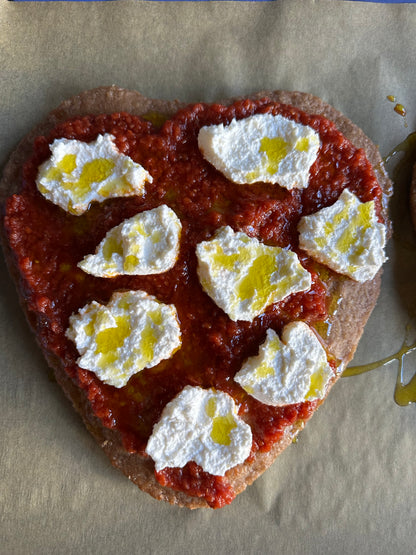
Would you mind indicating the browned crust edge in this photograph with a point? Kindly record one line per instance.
(358, 300)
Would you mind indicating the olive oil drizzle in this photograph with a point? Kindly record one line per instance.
(405, 146)
(404, 394)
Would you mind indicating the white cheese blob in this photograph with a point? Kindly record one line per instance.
(79, 173)
(346, 237)
(133, 331)
(203, 426)
(288, 371)
(263, 147)
(147, 243)
(244, 276)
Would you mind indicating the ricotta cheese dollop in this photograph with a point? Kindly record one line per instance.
(287, 371)
(263, 147)
(200, 425)
(147, 243)
(244, 276)
(133, 331)
(347, 237)
(78, 173)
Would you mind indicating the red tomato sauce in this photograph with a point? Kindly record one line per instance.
(48, 243)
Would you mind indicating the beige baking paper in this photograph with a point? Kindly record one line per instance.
(348, 485)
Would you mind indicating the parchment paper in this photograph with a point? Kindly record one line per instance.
(348, 485)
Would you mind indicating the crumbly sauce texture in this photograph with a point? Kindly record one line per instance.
(48, 243)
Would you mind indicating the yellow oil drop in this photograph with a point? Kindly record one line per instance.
(256, 284)
(109, 187)
(321, 242)
(147, 343)
(221, 429)
(119, 185)
(138, 229)
(331, 225)
(111, 246)
(156, 317)
(130, 263)
(317, 384)
(302, 144)
(275, 149)
(89, 328)
(253, 175)
(54, 174)
(400, 109)
(227, 261)
(124, 303)
(358, 224)
(263, 371)
(111, 339)
(92, 172)
(156, 236)
(96, 171)
(68, 163)
(156, 118)
(211, 407)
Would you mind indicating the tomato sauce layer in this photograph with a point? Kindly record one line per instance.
(48, 243)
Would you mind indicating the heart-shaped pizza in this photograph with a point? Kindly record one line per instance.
(197, 276)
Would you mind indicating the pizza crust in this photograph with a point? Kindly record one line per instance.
(347, 323)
